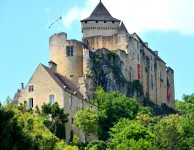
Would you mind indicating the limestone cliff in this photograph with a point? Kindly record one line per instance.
(103, 68)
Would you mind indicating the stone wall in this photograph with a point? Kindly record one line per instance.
(170, 83)
(102, 28)
(69, 66)
(114, 42)
(44, 86)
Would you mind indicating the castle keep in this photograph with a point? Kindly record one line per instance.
(102, 31)
(108, 56)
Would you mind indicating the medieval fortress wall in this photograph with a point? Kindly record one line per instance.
(139, 61)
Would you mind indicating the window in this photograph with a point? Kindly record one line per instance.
(70, 102)
(104, 21)
(113, 22)
(96, 21)
(138, 57)
(51, 98)
(69, 50)
(30, 88)
(72, 120)
(30, 102)
(82, 105)
(86, 22)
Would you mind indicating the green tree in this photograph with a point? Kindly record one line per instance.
(186, 109)
(189, 98)
(10, 132)
(187, 123)
(71, 147)
(23, 130)
(112, 107)
(126, 130)
(132, 144)
(9, 103)
(96, 145)
(169, 133)
(58, 121)
(87, 121)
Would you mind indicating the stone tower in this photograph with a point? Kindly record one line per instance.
(68, 55)
(100, 22)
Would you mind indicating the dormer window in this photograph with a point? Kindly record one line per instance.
(69, 50)
(30, 88)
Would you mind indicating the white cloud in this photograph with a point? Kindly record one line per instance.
(141, 16)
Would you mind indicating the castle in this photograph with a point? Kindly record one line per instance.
(108, 56)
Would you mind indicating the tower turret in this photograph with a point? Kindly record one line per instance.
(100, 22)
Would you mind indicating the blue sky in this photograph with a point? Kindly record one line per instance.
(167, 25)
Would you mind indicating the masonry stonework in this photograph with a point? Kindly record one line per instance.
(108, 56)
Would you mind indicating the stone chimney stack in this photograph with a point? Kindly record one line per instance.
(146, 44)
(53, 66)
(22, 86)
(156, 52)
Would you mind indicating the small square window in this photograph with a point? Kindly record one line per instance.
(104, 21)
(30, 102)
(51, 98)
(69, 50)
(96, 21)
(30, 88)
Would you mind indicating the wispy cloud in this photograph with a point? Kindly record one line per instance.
(76, 13)
(47, 9)
(141, 16)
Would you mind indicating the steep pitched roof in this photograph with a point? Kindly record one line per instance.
(122, 28)
(64, 82)
(135, 36)
(100, 13)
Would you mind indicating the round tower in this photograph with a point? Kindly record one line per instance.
(67, 54)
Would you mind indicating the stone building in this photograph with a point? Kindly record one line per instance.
(48, 86)
(102, 31)
(108, 56)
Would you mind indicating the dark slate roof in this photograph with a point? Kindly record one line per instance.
(140, 40)
(100, 13)
(122, 28)
(64, 82)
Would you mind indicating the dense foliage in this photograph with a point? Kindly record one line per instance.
(87, 121)
(112, 107)
(121, 123)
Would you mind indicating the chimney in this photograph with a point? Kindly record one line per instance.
(53, 66)
(156, 52)
(22, 86)
(146, 44)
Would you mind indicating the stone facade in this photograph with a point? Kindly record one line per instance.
(139, 62)
(69, 64)
(45, 83)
